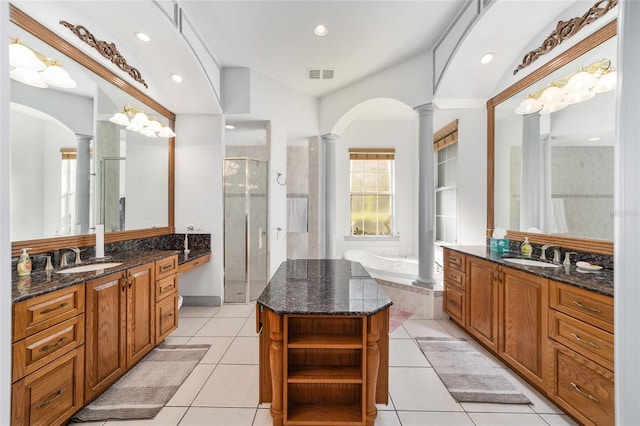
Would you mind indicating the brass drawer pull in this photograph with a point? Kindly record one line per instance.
(588, 308)
(49, 310)
(47, 402)
(166, 288)
(453, 277)
(583, 393)
(166, 267)
(453, 302)
(586, 342)
(47, 347)
(167, 316)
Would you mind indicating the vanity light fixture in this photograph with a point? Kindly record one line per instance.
(176, 78)
(320, 30)
(142, 36)
(594, 139)
(229, 126)
(35, 69)
(141, 123)
(579, 86)
(486, 58)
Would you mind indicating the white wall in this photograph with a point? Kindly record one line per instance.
(277, 197)
(401, 135)
(199, 196)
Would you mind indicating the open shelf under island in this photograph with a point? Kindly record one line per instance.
(324, 344)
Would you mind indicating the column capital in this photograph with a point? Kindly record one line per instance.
(330, 137)
(426, 109)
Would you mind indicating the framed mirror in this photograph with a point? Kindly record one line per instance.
(550, 150)
(72, 167)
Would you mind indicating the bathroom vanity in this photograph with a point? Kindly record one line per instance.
(324, 344)
(551, 325)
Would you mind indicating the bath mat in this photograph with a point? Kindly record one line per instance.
(468, 375)
(146, 388)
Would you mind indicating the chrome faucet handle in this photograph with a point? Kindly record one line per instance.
(543, 255)
(567, 257)
(556, 254)
(63, 257)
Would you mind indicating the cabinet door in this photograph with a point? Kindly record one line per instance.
(105, 330)
(482, 301)
(140, 312)
(524, 322)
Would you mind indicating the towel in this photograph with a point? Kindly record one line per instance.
(558, 219)
(297, 214)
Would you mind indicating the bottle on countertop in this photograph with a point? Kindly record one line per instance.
(24, 264)
(525, 248)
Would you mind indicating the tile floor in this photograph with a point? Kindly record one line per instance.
(222, 390)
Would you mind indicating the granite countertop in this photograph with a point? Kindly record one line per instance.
(323, 287)
(42, 282)
(598, 281)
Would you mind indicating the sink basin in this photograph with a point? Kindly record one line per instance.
(529, 262)
(89, 268)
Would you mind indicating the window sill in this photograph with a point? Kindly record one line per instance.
(371, 238)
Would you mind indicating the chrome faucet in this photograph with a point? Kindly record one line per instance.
(63, 256)
(556, 253)
(567, 258)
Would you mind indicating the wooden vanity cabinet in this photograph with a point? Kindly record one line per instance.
(120, 325)
(482, 301)
(581, 335)
(166, 297)
(455, 286)
(48, 357)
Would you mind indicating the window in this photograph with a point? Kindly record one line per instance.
(371, 189)
(446, 147)
(68, 191)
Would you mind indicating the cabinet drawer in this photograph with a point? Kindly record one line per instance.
(584, 387)
(40, 349)
(454, 303)
(454, 259)
(166, 316)
(593, 308)
(50, 395)
(455, 277)
(166, 266)
(166, 286)
(41, 312)
(593, 343)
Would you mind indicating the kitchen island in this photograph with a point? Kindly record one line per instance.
(324, 344)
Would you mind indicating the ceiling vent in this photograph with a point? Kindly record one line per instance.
(320, 73)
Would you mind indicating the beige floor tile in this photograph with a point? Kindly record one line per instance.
(219, 346)
(540, 404)
(480, 407)
(558, 420)
(399, 333)
(221, 327)
(386, 407)
(187, 392)
(422, 418)
(248, 328)
(188, 326)
(453, 328)
(263, 418)
(406, 353)
(230, 386)
(507, 419)
(236, 311)
(176, 340)
(243, 350)
(86, 423)
(200, 416)
(387, 418)
(168, 416)
(425, 328)
(198, 311)
(419, 389)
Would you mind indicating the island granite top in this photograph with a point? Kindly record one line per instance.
(323, 287)
(596, 281)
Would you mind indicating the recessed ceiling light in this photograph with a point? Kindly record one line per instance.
(229, 126)
(176, 77)
(593, 139)
(143, 36)
(486, 58)
(320, 30)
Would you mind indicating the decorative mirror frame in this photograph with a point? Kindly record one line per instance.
(32, 26)
(574, 243)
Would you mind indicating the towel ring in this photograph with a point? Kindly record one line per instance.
(278, 230)
(278, 179)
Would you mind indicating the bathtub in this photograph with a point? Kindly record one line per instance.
(397, 269)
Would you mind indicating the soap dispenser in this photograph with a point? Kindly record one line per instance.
(24, 264)
(525, 248)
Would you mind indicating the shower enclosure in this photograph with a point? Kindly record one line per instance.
(245, 229)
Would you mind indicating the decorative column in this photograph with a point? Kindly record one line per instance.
(530, 179)
(426, 195)
(329, 142)
(276, 366)
(83, 159)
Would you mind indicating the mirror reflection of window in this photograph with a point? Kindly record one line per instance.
(67, 191)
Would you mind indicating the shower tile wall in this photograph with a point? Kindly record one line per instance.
(298, 184)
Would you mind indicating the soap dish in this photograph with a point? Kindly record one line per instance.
(586, 266)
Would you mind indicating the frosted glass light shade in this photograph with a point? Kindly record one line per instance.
(55, 75)
(147, 132)
(578, 96)
(553, 107)
(580, 81)
(528, 106)
(140, 119)
(607, 82)
(155, 125)
(551, 94)
(166, 132)
(120, 118)
(20, 56)
(28, 77)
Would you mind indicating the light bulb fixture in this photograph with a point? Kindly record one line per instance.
(577, 87)
(320, 30)
(486, 58)
(142, 36)
(28, 62)
(137, 121)
(229, 126)
(177, 78)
